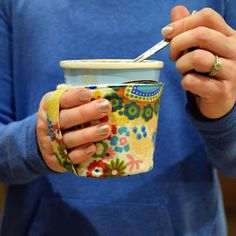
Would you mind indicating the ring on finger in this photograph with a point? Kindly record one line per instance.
(216, 67)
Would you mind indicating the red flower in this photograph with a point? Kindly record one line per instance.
(97, 169)
(57, 133)
(113, 131)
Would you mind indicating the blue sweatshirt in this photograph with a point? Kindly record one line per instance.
(180, 196)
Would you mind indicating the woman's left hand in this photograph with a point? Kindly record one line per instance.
(195, 41)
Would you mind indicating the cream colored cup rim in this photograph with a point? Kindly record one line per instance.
(111, 64)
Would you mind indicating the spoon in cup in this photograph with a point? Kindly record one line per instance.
(157, 47)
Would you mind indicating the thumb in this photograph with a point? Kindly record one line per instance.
(179, 12)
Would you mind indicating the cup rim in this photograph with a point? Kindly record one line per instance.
(111, 64)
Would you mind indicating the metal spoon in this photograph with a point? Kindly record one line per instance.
(157, 47)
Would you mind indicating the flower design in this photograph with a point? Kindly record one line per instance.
(116, 101)
(121, 140)
(119, 119)
(132, 110)
(113, 129)
(154, 137)
(50, 128)
(110, 153)
(113, 132)
(63, 158)
(147, 113)
(97, 169)
(116, 168)
(102, 147)
(141, 132)
(156, 107)
(96, 94)
(133, 163)
(57, 133)
(54, 131)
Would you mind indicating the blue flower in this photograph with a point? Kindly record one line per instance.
(120, 142)
(147, 113)
(116, 101)
(50, 128)
(156, 107)
(132, 110)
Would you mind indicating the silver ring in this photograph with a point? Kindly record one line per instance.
(216, 67)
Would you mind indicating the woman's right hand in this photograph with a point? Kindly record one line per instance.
(76, 108)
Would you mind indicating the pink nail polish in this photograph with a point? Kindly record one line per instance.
(103, 106)
(102, 130)
(84, 96)
(89, 149)
(166, 31)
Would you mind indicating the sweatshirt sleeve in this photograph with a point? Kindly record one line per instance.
(219, 136)
(20, 160)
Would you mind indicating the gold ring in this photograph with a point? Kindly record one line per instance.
(216, 67)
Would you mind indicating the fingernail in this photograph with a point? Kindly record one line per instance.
(103, 106)
(104, 129)
(166, 31)
(89, 149)
(84, 96)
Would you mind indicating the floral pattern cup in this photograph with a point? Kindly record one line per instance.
(134, 120)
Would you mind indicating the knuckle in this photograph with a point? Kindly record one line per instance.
(173, 44)
(198, 60)
(85, 134)
(63, 118)
(66, 139)
(84, 111)
(232, 47)
(40, 125)
(53, 163)
(208, 13)
(65, 100)
(197, 56)
(43, 100)
(185, 83)
(179, 65)
(201, 34)
(45, 148)
(226, 91)
(173, 48)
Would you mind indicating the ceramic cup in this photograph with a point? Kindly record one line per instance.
(134, 91)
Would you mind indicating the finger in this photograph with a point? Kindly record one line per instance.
(54, 164)
(82, 153)
(203, 38)
(198, 60)
(206, 17)
(83, 136)
(79, 115)
(74, 97)
(178, 13)
(215, 98)
(202, 61)
(202, 86)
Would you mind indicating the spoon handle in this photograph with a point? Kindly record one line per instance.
(157, 47)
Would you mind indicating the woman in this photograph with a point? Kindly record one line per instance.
(181, 195)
